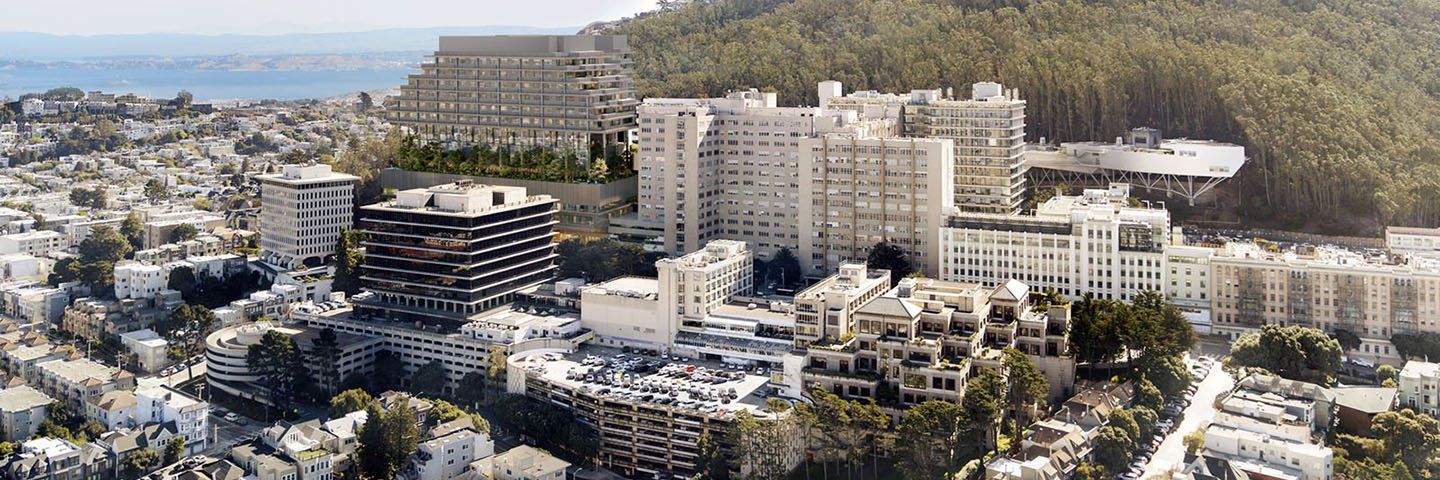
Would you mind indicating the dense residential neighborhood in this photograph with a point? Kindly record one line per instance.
(517, 268)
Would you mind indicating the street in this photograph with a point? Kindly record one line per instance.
(228, 433)
(1197, 416)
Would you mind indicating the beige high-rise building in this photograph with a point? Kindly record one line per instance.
(988, 131)
(571, 92)
(859, 191)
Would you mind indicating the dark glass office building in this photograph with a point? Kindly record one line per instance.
(443, 254)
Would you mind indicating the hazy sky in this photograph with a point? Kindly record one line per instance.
(68, 17)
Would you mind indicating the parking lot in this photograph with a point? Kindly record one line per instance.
(1195, 414)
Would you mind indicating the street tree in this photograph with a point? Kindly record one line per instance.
(1026, 387)
(386, 440)
(352, 400)
(926, 440)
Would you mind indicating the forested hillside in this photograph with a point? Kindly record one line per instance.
(1338, 101)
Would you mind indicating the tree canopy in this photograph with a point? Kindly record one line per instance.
(1294, 352)
(890, 257)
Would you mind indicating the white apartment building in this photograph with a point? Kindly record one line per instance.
(1267, 426)
(161, 404)
(139, 280)
(1411, 239)
(1265, 456)
(36, 243)
(303, 209)
(826, 308)
(1420, 387)
(987, 130)
(1092, 244)
(447, 456)
(523, 462)
(151, 351)
(859, 191)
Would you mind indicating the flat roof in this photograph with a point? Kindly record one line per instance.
(23, 397)
(750, 389)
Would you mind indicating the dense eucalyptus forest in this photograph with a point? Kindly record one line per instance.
(1337, 101)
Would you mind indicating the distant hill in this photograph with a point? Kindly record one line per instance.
(1337, 101)
(43, 46)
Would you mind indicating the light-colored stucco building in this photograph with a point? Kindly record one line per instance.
(303, 209)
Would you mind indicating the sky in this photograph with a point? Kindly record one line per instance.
(268, 17)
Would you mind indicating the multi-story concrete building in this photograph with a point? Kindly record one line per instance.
(303, 209)
(696, 284)
(36, 243)
(22, 410)
(1419, 387)
(571, 92)
(444, 254)
(139, 280)
(228, 368)
(800, 178)
(988, 134)
(923, 339)
(1094, 244)
(856, 192)
(162, 404)
(826, 309)
(461, 350)
(1374, 297)
(642, 435)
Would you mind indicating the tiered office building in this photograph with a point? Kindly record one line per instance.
(569, 92)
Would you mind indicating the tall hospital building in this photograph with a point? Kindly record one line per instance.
(825, 184)
(987, 131)
(572, 92)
